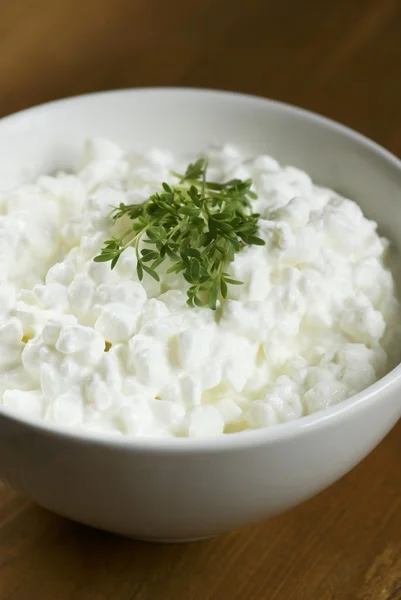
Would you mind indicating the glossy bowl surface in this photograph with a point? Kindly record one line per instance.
(183, 489)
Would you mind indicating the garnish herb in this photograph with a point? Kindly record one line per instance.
(198, 225)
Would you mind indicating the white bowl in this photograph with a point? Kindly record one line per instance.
(181, 488)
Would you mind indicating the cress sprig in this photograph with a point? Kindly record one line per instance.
(198, 225)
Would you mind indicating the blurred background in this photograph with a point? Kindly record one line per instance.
(342, 59)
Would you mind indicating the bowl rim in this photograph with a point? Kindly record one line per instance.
(247, 438)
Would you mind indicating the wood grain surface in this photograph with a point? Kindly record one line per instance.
(342, 59)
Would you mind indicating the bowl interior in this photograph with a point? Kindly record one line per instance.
(50, 137)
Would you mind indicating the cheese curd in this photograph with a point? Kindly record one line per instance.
(316, 320)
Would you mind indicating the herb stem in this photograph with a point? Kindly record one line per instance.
(197, 225)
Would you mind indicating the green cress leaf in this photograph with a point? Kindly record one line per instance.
(197, 225)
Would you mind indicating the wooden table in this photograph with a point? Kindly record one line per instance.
(342, 59)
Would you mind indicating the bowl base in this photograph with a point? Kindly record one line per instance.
(173, 540)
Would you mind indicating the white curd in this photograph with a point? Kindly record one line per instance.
(316, 320)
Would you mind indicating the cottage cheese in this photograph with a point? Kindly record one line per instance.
(316, 321)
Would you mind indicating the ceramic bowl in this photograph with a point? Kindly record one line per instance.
(178, 489)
